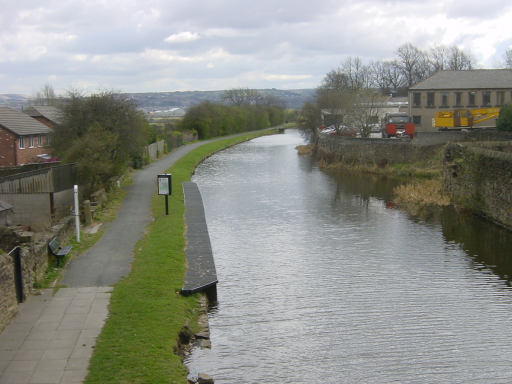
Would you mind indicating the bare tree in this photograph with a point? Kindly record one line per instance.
(348, 95)
(458, 60)
(242, 96)
(46, 96)
(413, 63)
(387, 76)
(365, 112)
(508, 58)
(335, 97)
(439, 58)
(358, 74)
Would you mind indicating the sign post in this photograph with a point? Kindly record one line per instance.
(164, 182)
(77, 213)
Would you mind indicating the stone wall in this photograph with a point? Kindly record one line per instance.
(479, 176)
(443, 137)
(374, 151)
(34, 263)
(8, 301)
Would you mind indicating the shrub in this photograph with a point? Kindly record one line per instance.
(504, 122)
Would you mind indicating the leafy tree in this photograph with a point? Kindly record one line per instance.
(309, 120)
(210, 119)
(504, 122)
(102, 133)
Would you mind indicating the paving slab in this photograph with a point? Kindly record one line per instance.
(55, 346)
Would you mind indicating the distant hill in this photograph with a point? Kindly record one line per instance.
(165, 101)
(14, 101)
(153, 101)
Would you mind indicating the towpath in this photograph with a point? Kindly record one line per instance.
(52, 337)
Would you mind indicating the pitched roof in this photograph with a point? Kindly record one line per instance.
(20, 123)
(47, 111)
(474, 79)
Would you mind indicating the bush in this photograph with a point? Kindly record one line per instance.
(504, 122)
(213, 120)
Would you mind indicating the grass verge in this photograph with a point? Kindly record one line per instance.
(147, 312)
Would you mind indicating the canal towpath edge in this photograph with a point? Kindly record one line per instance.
(52, 337)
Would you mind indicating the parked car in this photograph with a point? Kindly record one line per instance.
(330, 130)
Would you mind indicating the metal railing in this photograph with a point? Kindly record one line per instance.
(15, 253)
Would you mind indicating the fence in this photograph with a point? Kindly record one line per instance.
(154, 150)
(39, 197)
(54, 179)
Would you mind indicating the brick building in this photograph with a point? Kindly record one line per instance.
(46, 114)
(448, 90)
(22, 138)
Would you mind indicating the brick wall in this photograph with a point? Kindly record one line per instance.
(11, 155)
(7, 148)
(29, 155)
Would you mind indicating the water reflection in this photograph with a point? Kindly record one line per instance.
(489, 245)
(319, 282)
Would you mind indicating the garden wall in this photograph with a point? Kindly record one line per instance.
(34, 262)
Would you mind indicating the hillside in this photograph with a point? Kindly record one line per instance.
(158, 101)
(153, 101)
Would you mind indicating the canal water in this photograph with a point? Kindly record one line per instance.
(323, 280)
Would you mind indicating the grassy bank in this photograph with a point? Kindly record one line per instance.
(423, 184)
(147, 312)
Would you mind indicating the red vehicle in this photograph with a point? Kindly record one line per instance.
(397, 125)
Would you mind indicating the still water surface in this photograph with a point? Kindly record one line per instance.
(322, 281)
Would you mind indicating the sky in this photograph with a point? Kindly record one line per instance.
(174, 45)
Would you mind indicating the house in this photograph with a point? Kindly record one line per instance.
(23, 139)
(448, 90)
(46, 114)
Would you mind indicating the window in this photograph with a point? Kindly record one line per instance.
(21, 142)
(416, 120)
(430, 99)
(444, 99)
(40, 141)
(458, 99)
(500, 98)
(416, 99)
(48, 140)
(471, 98)
(486, 98)
(31, 141)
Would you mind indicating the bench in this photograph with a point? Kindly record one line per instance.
(58, 251)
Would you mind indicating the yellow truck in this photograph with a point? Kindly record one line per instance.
(463, 118)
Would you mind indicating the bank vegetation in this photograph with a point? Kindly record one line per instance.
(140, 340)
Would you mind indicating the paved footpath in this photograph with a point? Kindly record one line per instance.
(51, 339)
